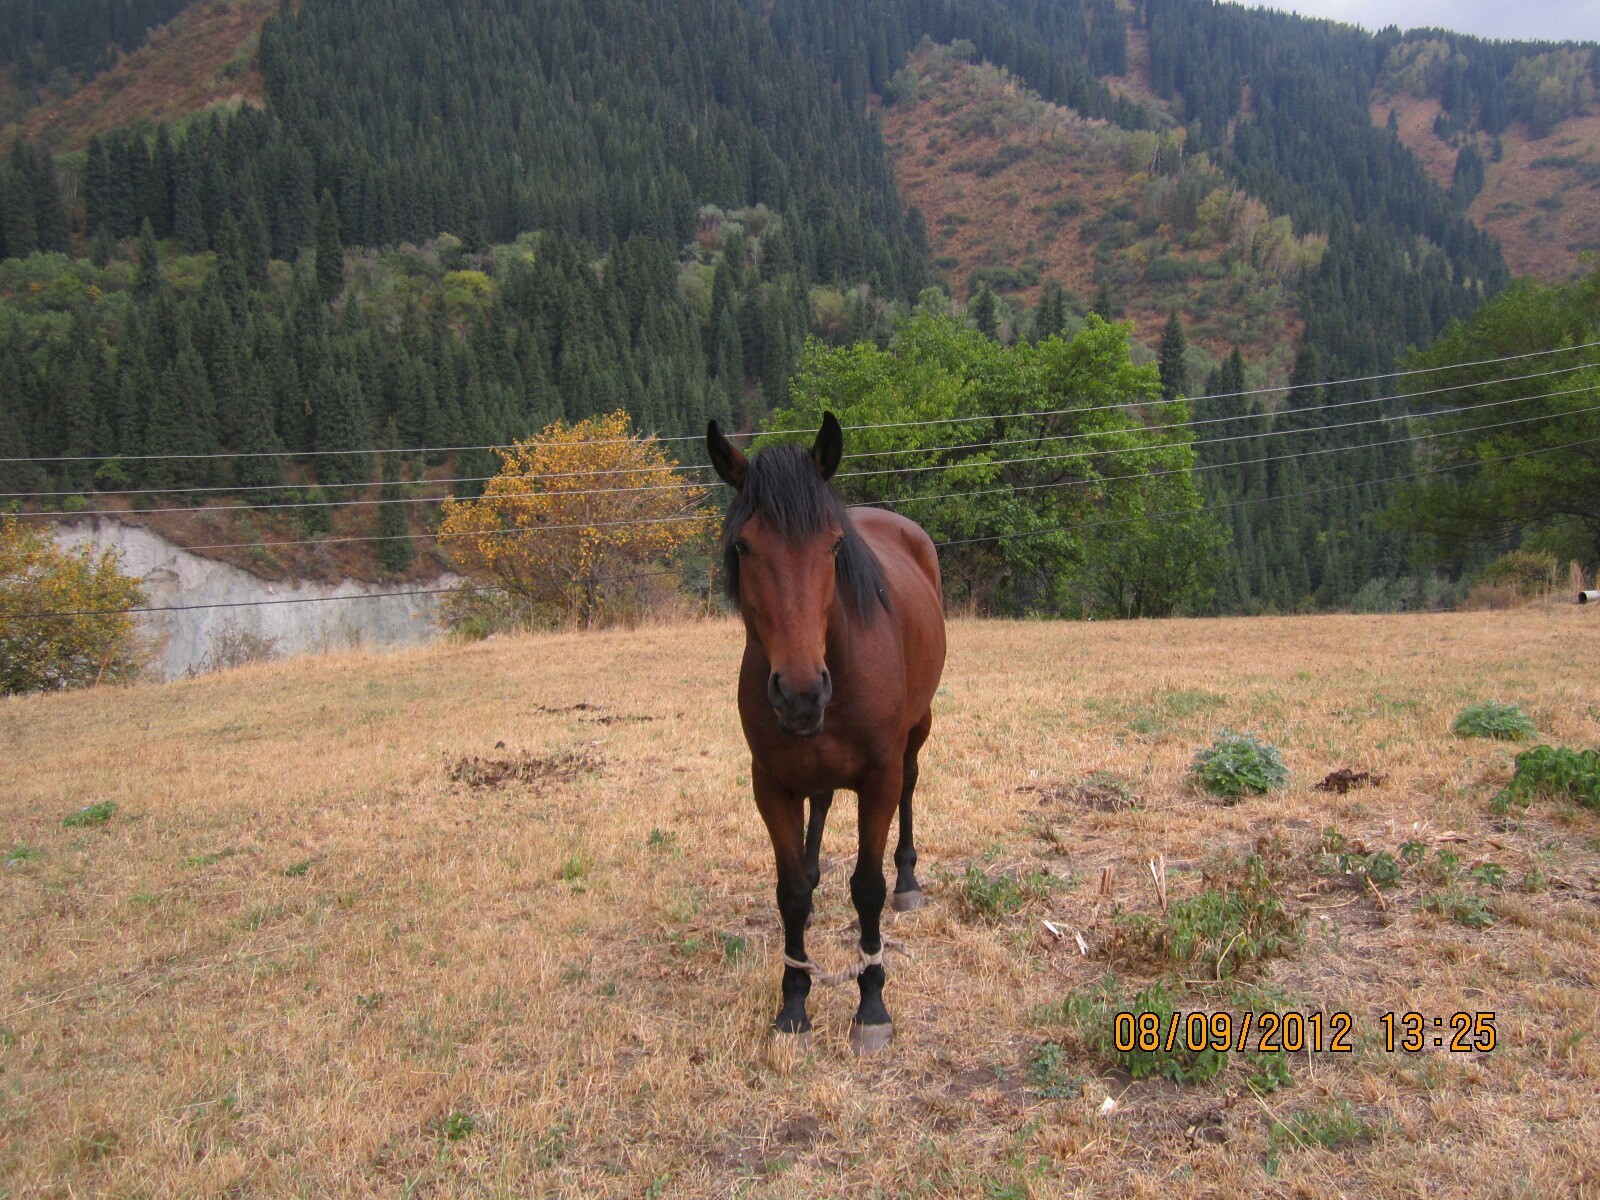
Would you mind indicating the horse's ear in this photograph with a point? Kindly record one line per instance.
(726, 459)
(828, 449)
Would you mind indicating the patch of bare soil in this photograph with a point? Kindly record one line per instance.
(479, 772)
(1345, 780)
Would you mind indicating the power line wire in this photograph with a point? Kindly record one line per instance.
(1267, 391)
(1066, 437)
(687, 519)
(50, 615)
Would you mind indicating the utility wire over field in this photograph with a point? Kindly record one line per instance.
(471, 588)
(924, 449)
(697, 438)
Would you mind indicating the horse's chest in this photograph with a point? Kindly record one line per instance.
(822, 763)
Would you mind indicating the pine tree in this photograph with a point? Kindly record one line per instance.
(147, 279)
(341, 425)
(104, 247)
(985, 312)
(262, 463)
(1174, 370)
(330, 251)
(1104, 304)
(189, 225)
(168, 434)
(395, 551)
(1051, 318)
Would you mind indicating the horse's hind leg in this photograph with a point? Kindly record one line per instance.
(907, 891)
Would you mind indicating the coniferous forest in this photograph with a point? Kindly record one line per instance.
(451, 223)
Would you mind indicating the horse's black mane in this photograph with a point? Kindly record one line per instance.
(783, 485)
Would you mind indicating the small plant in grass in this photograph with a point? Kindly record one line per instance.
(1462, 907)
(1488, 874)
(459, 1126)
(1491, 719)
(574, 868)
(734, 947)
(1332, 1127)
(1216, 933)
(992, 898)
(299, 868)
(90, 815)
(1382, 869)
(1555, 772)
(20, 854)
(1092, 1015)
(1237, 765)
(1049, 1074)
(1442, 868)
(662, 839)
(1267, 1072)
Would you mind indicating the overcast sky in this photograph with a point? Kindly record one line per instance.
(1552, 20)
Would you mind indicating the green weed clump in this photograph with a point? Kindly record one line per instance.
(1332, 1127)
(1217, 933)
(1491, 719)
(1092, 1016)
(90, 815)
(1239, 764)
(1555, 772)
(992, 898)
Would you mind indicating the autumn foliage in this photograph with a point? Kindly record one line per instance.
(576, 520)
(51, 653)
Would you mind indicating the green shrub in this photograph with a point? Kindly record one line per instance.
(1491, 719)
(1555, 772)
(1526, 572)
(41, 653)
(1238, 764)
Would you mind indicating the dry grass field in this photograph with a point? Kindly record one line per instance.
(497, 920)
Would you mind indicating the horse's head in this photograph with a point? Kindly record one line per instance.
(790, 554)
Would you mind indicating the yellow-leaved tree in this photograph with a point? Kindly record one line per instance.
(574, 523)
(46, 653)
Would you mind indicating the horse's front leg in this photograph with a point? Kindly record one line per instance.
(880, 796)
(784, 814)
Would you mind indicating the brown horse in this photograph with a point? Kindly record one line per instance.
(844, 644)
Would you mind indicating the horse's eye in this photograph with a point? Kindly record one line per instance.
(836, 546)
(741, 547)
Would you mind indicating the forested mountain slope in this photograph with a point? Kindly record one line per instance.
(205, 55)
(1513, 132)
(1015, 191)
(446, 223)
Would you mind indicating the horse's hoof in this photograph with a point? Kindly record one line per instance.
(799, 1043)
(909, 901)
(869, 1039)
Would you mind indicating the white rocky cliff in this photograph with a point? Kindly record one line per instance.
(202, 638)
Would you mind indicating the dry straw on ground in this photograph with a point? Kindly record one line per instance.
(301, 958)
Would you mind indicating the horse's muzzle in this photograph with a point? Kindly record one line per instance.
(799, 710)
